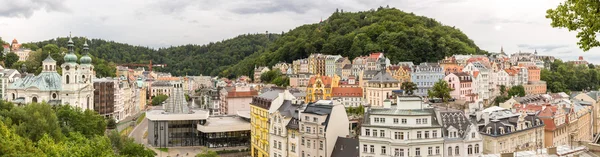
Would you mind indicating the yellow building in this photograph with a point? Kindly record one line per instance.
(319, 87)
(259, 116)
(400, 73)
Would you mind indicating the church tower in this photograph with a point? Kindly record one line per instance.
(49, 64)
(70, 68)
(87, 69)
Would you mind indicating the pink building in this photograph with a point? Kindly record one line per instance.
(461, 83)
(239, 99)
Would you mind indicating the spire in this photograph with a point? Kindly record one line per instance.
(85, 47)
(501, 49)
(70, 44)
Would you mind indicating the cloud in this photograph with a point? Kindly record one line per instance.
(543, 47)
(26, 8)
(273, 6)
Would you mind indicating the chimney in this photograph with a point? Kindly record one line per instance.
(387, 104)
(486, 118)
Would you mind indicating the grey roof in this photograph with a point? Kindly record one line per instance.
(287, 109)
(45, 81)
(368, 74)
(347, 66)
(345, 147)
(293, 124)
(594, 94)
(319, 110)
(49, 59)
(270, 95)
(456, 119)
(383, 77)
(161, 83)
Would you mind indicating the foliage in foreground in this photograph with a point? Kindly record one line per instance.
(565, 77)
(582, 16)
(39, 129)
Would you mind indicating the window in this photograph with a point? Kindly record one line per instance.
(473, 135)
(434, 134)
(456, 150)
(418, 134)
(302, 153)
(401, 152)
(320, 130)
(382, 133)
(302, 141)
(364, 148)
(372, 149)
(395, 120)
(470, 149)
(374, 133)
(418, 121)
(274, 144)
(437, 150)
(293, 134)
(321, 145)
(308, 129)
(418, 151)
(308, 143)
(399, 135)
(424, 120)
(293, 147)
(449, 151)
(382, 120)
(279, 145)
(403, 121)
(476, 148)
(430, 151)
(306, 118)
(315, 119)
(367, 132)
(376, 120)
(383, 150)
(426, 134)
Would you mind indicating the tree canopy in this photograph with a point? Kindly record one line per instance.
(582, 16)
(518, 90)
(39, 129)
(441, 90)
(159, 99)
(408, 87)
(565, 77)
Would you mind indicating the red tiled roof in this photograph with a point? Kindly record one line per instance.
(375, 55)
(511, 72)
(549, 122)
(242, 94)
(475, 74)
(168, 79)
(325, 79)
(394, 67)
(347, 91)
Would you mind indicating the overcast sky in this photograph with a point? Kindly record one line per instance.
(517, 25)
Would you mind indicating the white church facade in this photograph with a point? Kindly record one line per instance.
(73, 87)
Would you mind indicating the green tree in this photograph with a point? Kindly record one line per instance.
(270, 76)
(11, 58)
(87, 122)
(111, 123)
(159, 99)
(408, 87)
(516, 91)
(441, 90)
(35, 120)
(581, 16)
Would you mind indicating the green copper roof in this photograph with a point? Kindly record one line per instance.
(45, 81)
(86, 59)
(49, 59)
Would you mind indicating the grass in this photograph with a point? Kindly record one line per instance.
(163, 149)
(140, 118)
(126, 131)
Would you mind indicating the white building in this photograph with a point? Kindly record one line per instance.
(7, 77)
(74, 87)
(320, 126)
(406, 129)
(282, 133)
(461, 137)
(482, 82)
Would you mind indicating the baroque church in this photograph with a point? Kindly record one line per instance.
(74, 87)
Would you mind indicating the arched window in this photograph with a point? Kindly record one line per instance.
(470, 149)
(14, 96)
(34, 100)
(67, 81)
(456, 150)
(476, 148)
(449, 151)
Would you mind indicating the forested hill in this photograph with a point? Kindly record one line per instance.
(402, 36)
(209, 59)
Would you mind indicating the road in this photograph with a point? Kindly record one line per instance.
(138, 132)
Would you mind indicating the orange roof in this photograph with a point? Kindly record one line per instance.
(453, 68)
(394, 67)
(475, 74)
(548, 111)
(325, 79)
(511, 72)
(168, 79)
(242, 94)
(375, 55)
(347, 91)
(520, 107)
(549, 124)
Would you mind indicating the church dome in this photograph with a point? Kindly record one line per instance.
(70, 57)
(86, 59)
